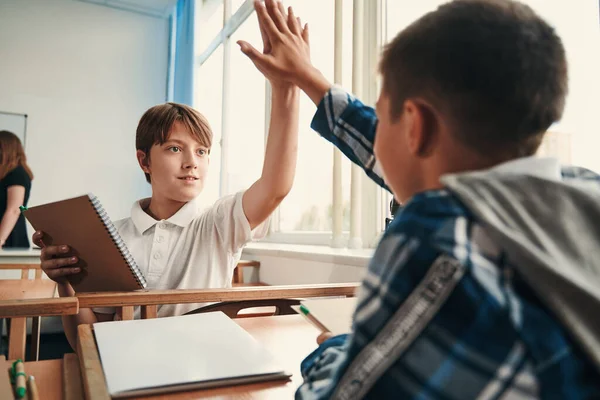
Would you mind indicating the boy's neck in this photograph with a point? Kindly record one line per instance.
(161, 209)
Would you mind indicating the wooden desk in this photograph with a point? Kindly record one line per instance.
(24, 289)
(288, 338)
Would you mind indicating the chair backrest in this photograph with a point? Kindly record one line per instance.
(238, 273)
(24, 268)
(232, 308)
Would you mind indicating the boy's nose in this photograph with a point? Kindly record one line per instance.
(190, 162)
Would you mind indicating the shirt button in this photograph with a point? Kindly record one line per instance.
(162, 225)
(160, 239)
(156, 256)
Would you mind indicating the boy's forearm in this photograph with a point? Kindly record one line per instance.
(282, 142)
(314, 84)
(71, 322)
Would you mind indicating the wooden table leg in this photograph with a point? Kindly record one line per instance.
(16, 338)
(35, 338)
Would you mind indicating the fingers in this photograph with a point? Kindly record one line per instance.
(260, 60)
(266, 23)
(305, 34)
(293, 23)
(57, 268)
(323, 337)
(251, 52)
(264, 36)
(58, 273)
(49, 252)
(277, 14)
(55, 263)
(38, 238)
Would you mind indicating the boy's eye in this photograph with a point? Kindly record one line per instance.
(174, 149)
(202, 152)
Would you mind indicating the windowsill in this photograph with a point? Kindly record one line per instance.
(326, 254)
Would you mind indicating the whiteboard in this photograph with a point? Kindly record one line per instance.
(15, 123)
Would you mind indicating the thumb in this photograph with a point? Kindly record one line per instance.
(259, 60)
(250, 51)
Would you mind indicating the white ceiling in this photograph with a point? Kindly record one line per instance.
(154, 8)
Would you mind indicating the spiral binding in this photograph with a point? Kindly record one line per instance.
(114, 234)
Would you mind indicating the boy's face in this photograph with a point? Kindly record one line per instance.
(392, 149)
(178, 167)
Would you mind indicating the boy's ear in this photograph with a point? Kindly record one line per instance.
(143, 160)
(420, 124)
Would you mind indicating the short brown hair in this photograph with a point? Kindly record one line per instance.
(494, 67)
(156, 123)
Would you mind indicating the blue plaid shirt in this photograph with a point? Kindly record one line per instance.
(491, 337)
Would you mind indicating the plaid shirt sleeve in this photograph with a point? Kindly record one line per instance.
(445, 357)
(350, 125)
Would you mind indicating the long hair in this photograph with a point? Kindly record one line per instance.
(12, 154)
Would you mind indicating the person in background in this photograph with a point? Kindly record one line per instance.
(15, 177)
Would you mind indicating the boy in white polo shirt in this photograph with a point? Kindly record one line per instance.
(175, 243)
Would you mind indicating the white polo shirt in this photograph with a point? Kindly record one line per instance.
(194, 249)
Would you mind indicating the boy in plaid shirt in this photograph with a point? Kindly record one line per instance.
(486, 285)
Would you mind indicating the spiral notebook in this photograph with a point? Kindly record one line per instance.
(83, 224)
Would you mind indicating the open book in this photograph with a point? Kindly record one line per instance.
(329, 315)
(83, 224)
(151, 356)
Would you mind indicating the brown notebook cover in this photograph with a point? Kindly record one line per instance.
(82, 223)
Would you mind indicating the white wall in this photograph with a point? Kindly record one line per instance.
(84, 74)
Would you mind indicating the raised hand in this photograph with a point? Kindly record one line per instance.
(286, 49)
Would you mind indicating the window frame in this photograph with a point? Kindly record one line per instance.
(371, 214)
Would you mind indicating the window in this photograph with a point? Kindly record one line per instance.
(209, 22)
(575, 139)
(308, 207)
(208, 99)
(234, 97)
(245, 116)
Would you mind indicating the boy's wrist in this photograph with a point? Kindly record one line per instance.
(283, 86)
(313, 83)
(65, 289)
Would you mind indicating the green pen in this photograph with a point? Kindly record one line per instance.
(304, 309)
(312, 319)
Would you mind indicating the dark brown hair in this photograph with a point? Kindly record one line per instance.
(156, 123)
(493, 67)
(12, 154)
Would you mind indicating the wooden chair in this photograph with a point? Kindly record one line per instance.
(233, 308)
(238, 272)
(33, 308)
(35, 320)
(25, 269)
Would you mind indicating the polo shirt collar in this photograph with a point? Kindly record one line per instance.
(182, 218)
